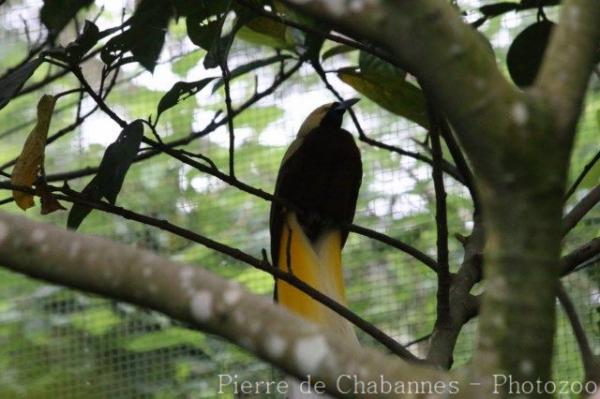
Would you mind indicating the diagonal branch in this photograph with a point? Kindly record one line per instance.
(198, 297)
(370, 329)
(581, 209)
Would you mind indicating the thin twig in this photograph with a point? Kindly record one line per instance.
(441, 218)
(582, 175)
(226, 81)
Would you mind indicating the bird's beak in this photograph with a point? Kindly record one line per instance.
(344, 105)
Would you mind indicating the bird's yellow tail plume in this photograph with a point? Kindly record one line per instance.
(319, 265)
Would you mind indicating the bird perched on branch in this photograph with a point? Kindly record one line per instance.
(318, 182)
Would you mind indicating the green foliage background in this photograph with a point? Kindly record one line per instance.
(61, 343)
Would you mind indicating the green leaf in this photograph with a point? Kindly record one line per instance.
(115, 163)
(55, 14)
(336, 50)
(377, 68)
(267, 32)
(173, 336)
(399, 97)
(525, 54)
(251, 66)
(180, 91)
(183, 65)
(145, 36)
(96, 321)
(259, 118)
(13, 81)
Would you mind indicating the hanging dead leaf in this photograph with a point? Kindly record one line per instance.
(48, 201)
(32, 156)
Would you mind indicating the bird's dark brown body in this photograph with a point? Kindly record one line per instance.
(321, 180)
(318, 181)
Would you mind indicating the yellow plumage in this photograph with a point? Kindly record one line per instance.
(319, 265)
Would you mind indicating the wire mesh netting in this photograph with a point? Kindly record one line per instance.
(60, 343)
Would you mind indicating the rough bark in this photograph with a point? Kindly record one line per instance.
(200, 298)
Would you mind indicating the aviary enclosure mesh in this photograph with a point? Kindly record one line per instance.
(61, 343)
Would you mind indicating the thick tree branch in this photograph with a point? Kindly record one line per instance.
(195, 296)
(565, 71)
(430, 37)
(72, 196)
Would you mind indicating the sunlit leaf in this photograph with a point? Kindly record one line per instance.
(184, 64)
(399, 97)
(31, 159)
(525, 54)
(12, 82)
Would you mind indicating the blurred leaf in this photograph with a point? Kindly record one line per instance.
(180, 91)
(31, 159)
(335, 50)
(251, 66)
(492, 10)
(172, 336)
(115, 163)
(258, 117)
(399, 97)
(265, 31)
(145, 36)
(95, 320)
(13, 81)
(526, 52)
(183, 65)
(55, 14)
(379, 69)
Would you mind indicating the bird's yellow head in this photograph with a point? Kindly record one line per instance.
(333, 110)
